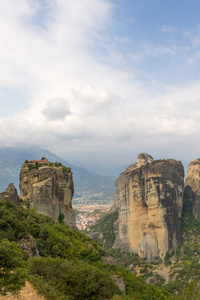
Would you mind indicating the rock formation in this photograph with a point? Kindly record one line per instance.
(10, 194)
(192, 187)
(49, 188)
(149, 197)
(29, 245)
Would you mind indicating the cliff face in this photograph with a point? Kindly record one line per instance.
(149, 196)
(192, 186)
(50, 190)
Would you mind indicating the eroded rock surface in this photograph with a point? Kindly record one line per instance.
(29, 245)
(192, 187)
(149, 196)
(10, 194)
(50, 190)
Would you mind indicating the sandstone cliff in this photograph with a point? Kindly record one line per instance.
(192, 187)
(49, 189)
(149, 197)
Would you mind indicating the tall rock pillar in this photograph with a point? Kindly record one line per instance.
(49, 189)
(149, 196)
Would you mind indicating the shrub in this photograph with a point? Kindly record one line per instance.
(13, 267)
(62, 279)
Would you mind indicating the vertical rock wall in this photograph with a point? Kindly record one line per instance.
(192, 187)
(50, 191)
(149, 196)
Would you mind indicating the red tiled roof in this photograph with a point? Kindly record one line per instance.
(41, 162)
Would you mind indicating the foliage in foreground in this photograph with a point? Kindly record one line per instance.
(13, 272)
(59, 279)
(70, 266)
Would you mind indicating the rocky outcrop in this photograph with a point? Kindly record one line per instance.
(149, 197)
(10, 194)
(29, 245)
(49, 189)
(192, 187)
(119, 282)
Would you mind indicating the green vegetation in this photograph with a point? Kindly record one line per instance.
(66, 169)
(183, 265)
(185, 272)
(34, 166)
(64, 279)
(13, 271)
(105, 226)
(70, 266)
(136, 288)
(58, 165)
(61, 218)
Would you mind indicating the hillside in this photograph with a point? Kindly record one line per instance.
(86, 183)
(178, 275)
(70, 265)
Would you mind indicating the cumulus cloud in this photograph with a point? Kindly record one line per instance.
(92, 101)
(56, 109)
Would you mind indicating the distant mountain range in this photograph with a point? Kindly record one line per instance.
(86, 183)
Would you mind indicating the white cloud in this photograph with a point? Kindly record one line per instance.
(168, 29)
(107, 108)
(193, 35)
(155, 50)
(56, 109)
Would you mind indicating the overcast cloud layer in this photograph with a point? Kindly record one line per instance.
(98, 81)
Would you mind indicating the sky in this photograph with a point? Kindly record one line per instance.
(98, 81)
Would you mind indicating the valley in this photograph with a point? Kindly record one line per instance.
(89, 212)
(143, 245)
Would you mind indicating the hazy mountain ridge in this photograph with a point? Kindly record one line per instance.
(11, 160)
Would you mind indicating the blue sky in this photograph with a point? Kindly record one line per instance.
(98, 81)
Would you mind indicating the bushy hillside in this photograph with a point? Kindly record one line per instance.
(70, 264)
(105, 230)
(183, 266)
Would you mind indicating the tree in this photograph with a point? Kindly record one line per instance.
(13, 272)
